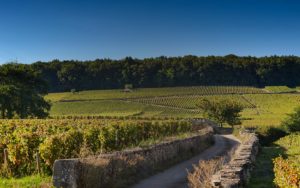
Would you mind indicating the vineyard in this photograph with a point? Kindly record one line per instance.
(92, 122)
(287, 171)
(31, 146)
(152, 92)
(261, 107)
(190, 102)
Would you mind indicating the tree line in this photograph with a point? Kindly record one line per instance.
(170, 71)
(22, 87)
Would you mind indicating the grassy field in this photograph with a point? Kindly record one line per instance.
(262, 175)
(261, 108)
(291, 146)
(34, 181)
(281, 89)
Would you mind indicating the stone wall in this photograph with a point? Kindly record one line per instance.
(236, 173)
(120, 169)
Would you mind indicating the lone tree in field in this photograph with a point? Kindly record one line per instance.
(21, 93)
(223, 111)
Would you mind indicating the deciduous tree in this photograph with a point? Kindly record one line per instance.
(223, 111)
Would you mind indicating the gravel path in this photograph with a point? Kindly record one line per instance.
(176, 176)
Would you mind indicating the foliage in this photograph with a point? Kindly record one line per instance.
(56, 139)
(292, 123)
(35, 181)
(178, 102)
(262, 175)
(58, 146)
(21, 92)
(286, 174)
(268, 134)
(280, 89)
(223, 111)
(287, 171)
(170, 71)
(291, 145)
(153, 92)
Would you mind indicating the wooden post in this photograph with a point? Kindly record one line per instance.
(38, 163)
(5, 157)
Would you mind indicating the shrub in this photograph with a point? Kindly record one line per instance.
(286, 174)
(67, 138)
(22, 152)
(292, 123)
(61, 146)
(91, 138)
(269, 134)
(52, 149)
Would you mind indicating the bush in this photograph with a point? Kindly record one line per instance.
(61, 146)
(22, 153)
(51, 149)
(292, 123)
(91, 138)
(286, 174)
(60, 139)
(269, 134)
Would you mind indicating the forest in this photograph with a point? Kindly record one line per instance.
(169, 72)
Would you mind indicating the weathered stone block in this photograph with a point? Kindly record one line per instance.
(66, 173)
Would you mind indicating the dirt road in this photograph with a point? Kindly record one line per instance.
(176, 176)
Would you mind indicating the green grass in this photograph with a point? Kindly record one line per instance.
(26, 182)
(260, 109)
(116, 108)
(189, 102)
(291, 145)
(280, 89)
(262, 175)
(270, 109)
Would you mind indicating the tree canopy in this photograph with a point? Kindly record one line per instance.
(223, 111)
(170, 71)
(21, 92)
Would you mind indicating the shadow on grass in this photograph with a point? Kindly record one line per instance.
(225, 130)
(262, 175)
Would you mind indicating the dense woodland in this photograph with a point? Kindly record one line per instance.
(170, 71)
(21, 92)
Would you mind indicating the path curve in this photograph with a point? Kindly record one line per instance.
(176, 176)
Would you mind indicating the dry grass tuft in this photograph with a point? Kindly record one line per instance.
(201, 176)
(204, 171)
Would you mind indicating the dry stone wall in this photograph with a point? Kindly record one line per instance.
(124, 168)
(236, 173)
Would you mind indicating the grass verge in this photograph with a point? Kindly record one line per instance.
(34, 181)
(262, 175)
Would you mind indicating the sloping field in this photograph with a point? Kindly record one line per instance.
(281, 89)
(151, 92)
(190, 102)
(261, 108)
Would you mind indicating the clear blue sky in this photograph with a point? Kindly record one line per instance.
(32, 30)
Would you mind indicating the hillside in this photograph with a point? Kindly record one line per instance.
(261, 107)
